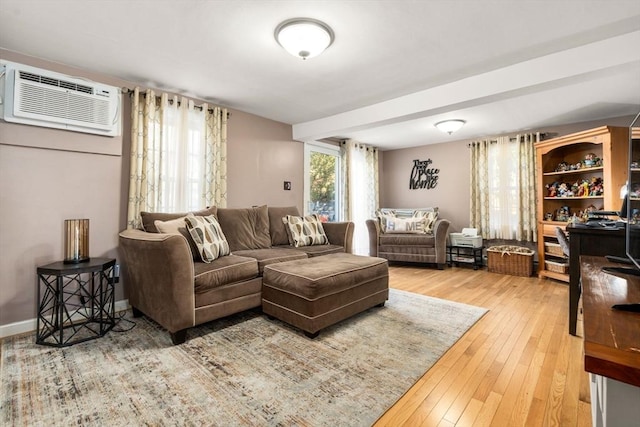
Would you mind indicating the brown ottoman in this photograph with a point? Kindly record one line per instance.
(314, 293)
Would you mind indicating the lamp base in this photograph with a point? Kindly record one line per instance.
(76, 261)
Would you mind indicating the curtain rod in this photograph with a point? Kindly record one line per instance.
(511, 139)
(130, 92)
(367, 147)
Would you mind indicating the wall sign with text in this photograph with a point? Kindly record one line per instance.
(422, 176)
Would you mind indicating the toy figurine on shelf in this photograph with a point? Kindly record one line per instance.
(563, 214)
(563, 188)
(562, 166)
(583, 189)
(590, 160)
(595, 187)
(552, 189)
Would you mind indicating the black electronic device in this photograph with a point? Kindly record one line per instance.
(631, 207)
(633, 307)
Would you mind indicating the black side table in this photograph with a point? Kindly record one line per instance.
(465, 255)
(76, 301)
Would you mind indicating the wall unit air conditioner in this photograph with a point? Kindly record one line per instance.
(39, 97)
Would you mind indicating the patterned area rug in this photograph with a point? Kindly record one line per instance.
(243, 370)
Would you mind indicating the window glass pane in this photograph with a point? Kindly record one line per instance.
(322, 182)
(322, 170)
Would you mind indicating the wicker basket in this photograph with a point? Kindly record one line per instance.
(557, 267)
(513, 260)
(553, 249)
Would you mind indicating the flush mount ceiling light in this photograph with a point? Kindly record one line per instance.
(450, 126)
(304, 37)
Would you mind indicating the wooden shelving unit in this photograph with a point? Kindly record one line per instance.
(608, 143)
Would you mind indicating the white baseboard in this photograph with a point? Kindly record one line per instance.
(31, 324)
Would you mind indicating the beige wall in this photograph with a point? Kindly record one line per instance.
(451, 194)
(86, 176)
(260, 156)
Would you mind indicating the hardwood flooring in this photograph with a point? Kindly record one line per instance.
(518, 366)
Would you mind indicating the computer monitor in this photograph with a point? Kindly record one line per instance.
(631, 205)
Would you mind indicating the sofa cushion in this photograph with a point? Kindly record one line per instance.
(277, 228)
(271, 256)
(422, 240)
(208, 237)
(149, 218)
(305, 231)
(245, 228)
(223, 271)
(178, 226)
(318, 250)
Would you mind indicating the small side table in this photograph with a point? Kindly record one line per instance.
(465, 255)
(76, 301)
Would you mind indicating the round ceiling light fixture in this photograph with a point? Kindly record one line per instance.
(304, 37)
(450, 126)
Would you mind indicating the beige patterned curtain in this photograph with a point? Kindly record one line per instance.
(360, 189)
(503, 188)
(178, 156)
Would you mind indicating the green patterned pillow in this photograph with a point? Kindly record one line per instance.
(208, 237)
(305, 231)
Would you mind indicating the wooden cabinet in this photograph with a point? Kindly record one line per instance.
(562, 161)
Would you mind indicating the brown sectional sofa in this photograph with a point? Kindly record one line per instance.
(167, 282)
(409, 247)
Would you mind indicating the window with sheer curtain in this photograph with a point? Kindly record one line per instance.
(503, 188)
(178, 156)
(360, 190)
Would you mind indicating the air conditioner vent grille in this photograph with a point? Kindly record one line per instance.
(25, 75)
(63, 105)
(38, 97)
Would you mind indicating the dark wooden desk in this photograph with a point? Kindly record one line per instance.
(589, 241)
(611, 337)
(611, 344)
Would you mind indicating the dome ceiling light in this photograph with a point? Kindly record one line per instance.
(450, 126)
(304, 37)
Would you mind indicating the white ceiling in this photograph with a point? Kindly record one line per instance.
(395, 68)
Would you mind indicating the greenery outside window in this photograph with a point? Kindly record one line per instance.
(322, 174)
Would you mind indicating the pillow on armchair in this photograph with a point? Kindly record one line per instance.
(414, 221)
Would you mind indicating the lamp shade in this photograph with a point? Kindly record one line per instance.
(304, 37)
(76, 241)
(450, 126)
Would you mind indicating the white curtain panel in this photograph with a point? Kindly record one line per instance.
(178, 156)
(503, 187)
(360, 189)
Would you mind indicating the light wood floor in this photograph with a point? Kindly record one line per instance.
(518, 366)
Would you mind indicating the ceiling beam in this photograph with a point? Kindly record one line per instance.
(532, 75)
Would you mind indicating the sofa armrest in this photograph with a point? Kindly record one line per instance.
(373, 227)
(340, 233)
(440, 233)
(159, 273)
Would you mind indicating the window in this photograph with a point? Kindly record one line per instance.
(322, 181)
(182, 148)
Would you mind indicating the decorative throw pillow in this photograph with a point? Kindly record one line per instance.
(149, 218)
(405, 225)
(305, 231)
(177, 226)
(429, 218)
(208, 237)
(385, 220)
